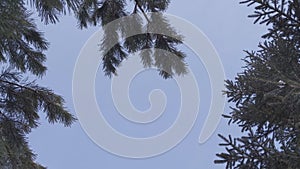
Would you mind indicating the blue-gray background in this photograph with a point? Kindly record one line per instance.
(226, 25)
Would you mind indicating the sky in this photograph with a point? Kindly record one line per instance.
(225, 23)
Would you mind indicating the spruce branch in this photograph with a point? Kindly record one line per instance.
(263, 4)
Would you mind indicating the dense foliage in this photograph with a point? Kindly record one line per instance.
(266, 95)
(22, 49)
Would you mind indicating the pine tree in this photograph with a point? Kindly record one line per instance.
(22, 49)
(95, 12)
(266, 95)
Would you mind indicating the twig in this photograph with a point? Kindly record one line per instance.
(142, 10)
(20, 86)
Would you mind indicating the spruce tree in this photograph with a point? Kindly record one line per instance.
(266, 95)
(22, 48)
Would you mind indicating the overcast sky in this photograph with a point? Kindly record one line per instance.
(226, 25)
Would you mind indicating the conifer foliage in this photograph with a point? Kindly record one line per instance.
(266, 95)
(22, 49)
(95, 12)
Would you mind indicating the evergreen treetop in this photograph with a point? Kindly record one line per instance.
(266, 94)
